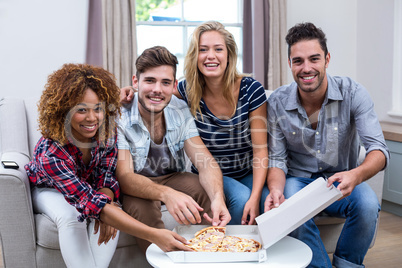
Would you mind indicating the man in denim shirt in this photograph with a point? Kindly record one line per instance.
(316, 125)
(152, 134)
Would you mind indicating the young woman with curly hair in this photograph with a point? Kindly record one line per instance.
(75, 161)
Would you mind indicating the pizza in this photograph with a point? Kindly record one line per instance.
(239, 244)
(214, 239)
(207, 239)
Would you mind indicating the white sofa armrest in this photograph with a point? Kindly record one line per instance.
(17, 227)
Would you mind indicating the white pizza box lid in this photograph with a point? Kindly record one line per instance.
(276, 223)
(272, 226)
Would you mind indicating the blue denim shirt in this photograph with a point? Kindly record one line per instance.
(134, 136)
(345, 119)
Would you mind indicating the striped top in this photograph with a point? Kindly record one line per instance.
(229, 141)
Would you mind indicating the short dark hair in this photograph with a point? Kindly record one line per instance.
(154, 57)
(306, 31)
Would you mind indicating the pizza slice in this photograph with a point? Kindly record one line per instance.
(207, 239)
(238, 244)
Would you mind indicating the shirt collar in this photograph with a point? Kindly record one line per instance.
(333, 93)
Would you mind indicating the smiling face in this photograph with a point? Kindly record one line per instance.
(155, 89)
(87, 117)
(308, 64)
(213, 54)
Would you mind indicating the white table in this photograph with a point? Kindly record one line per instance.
(287, 252)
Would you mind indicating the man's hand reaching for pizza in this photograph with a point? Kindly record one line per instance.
(221, 215)
(182, 207)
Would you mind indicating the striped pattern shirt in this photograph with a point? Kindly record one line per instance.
(229, 141)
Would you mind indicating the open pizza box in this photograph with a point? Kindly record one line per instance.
(271, 226)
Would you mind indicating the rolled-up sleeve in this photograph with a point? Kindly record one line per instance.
(367, 124)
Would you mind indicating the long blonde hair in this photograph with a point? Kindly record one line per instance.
(195, 79)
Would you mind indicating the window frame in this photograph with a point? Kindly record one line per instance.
(187, 24)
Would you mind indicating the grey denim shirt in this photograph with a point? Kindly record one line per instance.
(346, 120)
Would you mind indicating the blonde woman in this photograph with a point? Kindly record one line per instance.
(230, 113)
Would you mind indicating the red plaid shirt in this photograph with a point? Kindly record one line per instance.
(62, 167)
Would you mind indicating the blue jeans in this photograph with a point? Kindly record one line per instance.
(360, 209)
(237, 193)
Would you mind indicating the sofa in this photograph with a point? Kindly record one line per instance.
(29, 239)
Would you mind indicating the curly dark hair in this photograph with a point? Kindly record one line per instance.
(306, 31)
(64, 90)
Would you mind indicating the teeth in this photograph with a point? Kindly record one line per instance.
(211, 65)
(308, 77)
(89, 127)
(155, 99)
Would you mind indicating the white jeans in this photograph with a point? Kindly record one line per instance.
(78, 243)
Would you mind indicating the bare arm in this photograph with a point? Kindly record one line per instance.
(276, 183)
(348, 180)
(210, 176)
(258, 126)
(135, 184)
(165, 239)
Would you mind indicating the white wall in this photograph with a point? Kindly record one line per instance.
(375, 28)
(36, 38)
(360, 40)
(337, 18)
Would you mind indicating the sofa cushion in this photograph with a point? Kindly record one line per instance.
(46, 232)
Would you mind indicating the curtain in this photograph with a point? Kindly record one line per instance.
(119, 39)
(264, 46)
(94, 36)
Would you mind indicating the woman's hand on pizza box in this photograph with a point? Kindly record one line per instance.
(169, 241)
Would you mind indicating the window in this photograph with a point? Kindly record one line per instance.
(397, 79)
(170, 23)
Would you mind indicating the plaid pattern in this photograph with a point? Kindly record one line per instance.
(62, 167)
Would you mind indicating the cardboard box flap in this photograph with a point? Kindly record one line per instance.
(275, 224)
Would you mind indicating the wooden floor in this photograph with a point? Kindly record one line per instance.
(387, 250)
